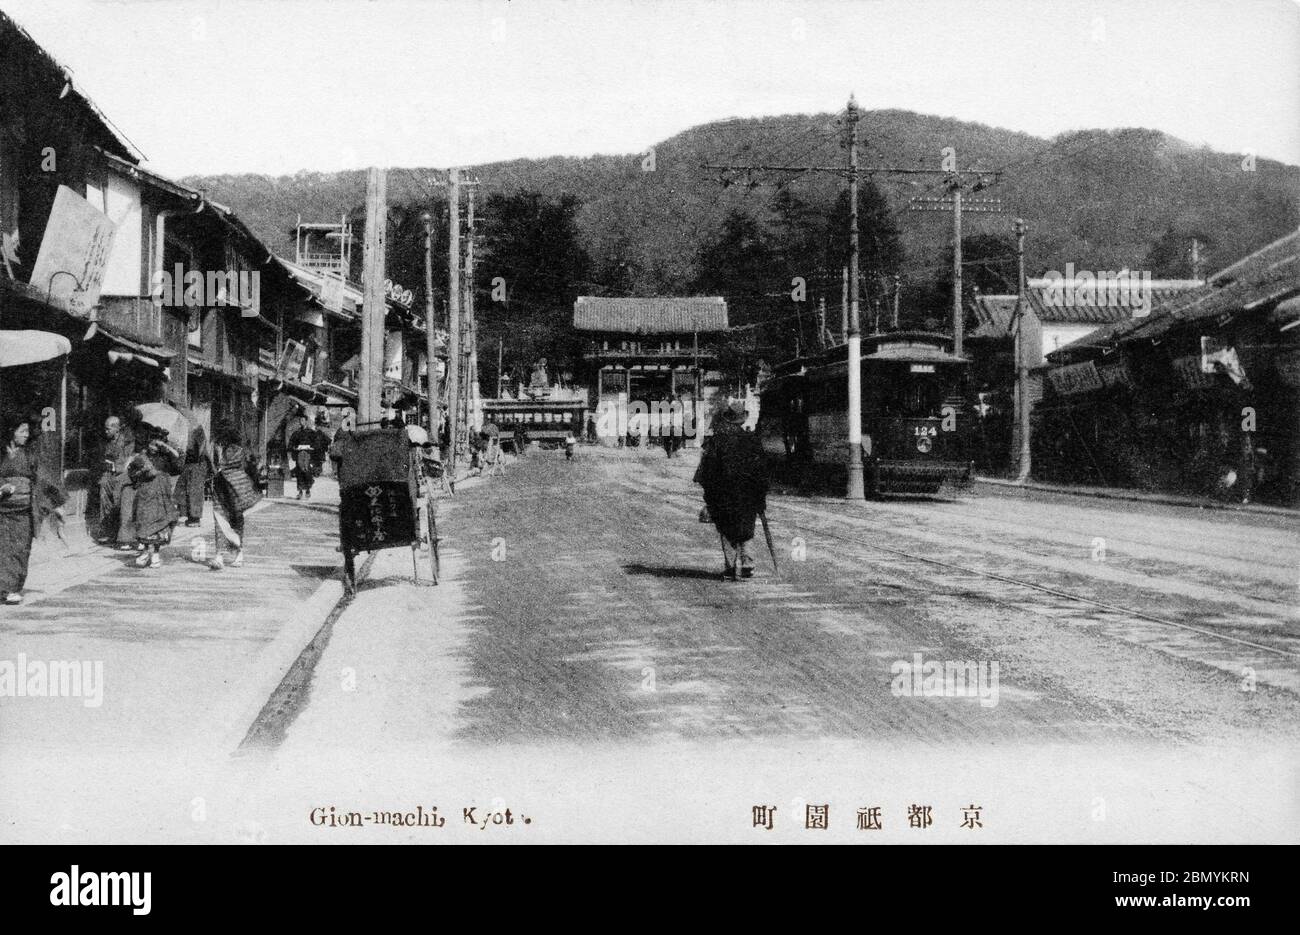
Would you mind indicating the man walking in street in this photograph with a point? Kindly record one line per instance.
(733, 473)
(118, 449)
(304, 447)
(194, 476)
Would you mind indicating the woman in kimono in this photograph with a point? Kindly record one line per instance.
(231, 458)
(154, 512)
(26, 500)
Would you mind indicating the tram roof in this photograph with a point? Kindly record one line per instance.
(904, 346)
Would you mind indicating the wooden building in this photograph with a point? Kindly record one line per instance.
(1202, 396)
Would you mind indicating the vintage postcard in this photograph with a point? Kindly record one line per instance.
(662, 422)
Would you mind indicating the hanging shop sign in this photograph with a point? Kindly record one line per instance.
(1115, 373)
(1075, 378)
(74, 252)
(291, 360)
(396, 293)
(1190, 373)
(1217, 357)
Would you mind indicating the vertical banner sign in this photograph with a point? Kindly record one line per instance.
(331, 292)
(291, 360)
(393, 353)
(74, 252)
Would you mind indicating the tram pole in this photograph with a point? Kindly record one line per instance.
(453, 318)
(374, 302)
(855, 489)
(1022, 353)
(430, 328)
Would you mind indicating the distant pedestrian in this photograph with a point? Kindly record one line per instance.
(153, 507)
(306, 448)
(236, 490)
(194, 476)
(733, 473)
(26, 500)
(521, 440)
(569, 444)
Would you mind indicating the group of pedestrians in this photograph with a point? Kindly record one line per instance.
(146, 484)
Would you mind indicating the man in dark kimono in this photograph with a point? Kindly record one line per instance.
(194, 475)
(733, 473)
(306, 449)
(119, 446)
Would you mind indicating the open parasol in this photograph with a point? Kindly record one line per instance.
(175, 423)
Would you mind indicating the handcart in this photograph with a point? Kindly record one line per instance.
(383, 490)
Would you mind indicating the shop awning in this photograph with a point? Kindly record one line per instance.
(337, 395)
(1287, 314)
(31, 347)
(127, 349)
(127, 357)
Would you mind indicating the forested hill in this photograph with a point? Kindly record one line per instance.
(1098, 199)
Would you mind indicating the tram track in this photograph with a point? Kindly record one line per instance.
(1056, 592)
(1062, 594)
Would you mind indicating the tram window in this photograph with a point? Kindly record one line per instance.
(918, 397)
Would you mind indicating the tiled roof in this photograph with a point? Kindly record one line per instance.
(1265, 276)
(994, 312)
(658, 315)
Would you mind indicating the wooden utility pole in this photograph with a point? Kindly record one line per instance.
(898, 292)
(959, 205)
(844, 305)
(1022, 355)
(501, 351)
(375, 300)
(430, 327)
(453, 317)
(856, 490)
(852, 326)
(471, 330)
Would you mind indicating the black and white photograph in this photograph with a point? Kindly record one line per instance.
(674, 422)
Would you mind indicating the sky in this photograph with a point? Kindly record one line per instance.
(278, 86)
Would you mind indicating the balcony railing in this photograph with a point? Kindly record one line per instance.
(136, 318)
(596, 350)
(326, 261)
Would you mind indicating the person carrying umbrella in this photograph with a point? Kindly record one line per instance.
(733, 473)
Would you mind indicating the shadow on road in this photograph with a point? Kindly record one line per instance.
(664, 571)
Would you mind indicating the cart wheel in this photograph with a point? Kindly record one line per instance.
(349, 573)
(432, 531)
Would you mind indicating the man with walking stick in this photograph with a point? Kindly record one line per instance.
(733, 473)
